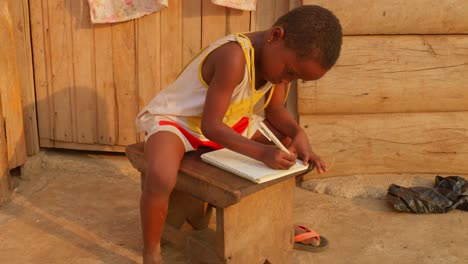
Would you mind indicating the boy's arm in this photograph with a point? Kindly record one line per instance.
(279, 117)
(224, 70)
(283, 121)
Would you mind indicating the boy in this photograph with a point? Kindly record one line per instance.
(212, 104)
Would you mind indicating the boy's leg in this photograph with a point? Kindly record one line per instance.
(163, 152)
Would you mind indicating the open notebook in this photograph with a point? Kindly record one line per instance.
(247, 167)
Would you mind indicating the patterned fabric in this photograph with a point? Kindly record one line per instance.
(182, 101)
(248, 5)
(111, 11)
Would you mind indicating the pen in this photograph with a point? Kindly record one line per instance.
(271, 137)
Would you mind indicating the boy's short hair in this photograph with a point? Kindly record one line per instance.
(312, 32)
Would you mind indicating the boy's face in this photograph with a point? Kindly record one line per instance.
(281, 65)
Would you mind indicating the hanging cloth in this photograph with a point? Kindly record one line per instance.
(248, 5)
(111, 11)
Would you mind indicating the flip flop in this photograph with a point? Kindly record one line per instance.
(310, 234)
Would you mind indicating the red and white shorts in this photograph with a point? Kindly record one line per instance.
(190, 141)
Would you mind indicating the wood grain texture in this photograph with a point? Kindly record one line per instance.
(4, 167)
(46, 143)
(7, 47)
(21, 18)
(124, 65)
(41, 61)
(10, 90)
(213, 22)
(268, 11)
(282, 7)
(171, 43)
(91, 80)
(205, 182)
(148, 37)
(378, 74)
(61, 67)
(295, 3)
(238, 21)
(242, 238)
(191, 29)
(399, 16)
(265, 14)
(107, 113)
(84, 74)
(390, 143)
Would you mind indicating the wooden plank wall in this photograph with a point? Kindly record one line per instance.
(6, 49)
(397, 100)
(10, 88)
(92, 80)
(20, 16)
(4, 166)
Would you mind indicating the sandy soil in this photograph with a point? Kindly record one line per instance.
(77, 207)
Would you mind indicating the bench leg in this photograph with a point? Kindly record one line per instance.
(184, 207)
(259, 229)
(197, 243)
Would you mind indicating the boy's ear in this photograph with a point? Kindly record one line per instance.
(277, 33)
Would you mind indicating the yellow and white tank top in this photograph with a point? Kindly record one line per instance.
(182, 101)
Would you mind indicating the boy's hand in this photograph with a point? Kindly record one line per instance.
(278, 159)
(301, 146)
(318, 162)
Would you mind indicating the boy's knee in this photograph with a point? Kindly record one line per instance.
(158, 181)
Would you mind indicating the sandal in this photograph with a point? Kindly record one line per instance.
(310, 234)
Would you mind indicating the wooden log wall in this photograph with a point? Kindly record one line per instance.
(397, 100)
(10, 89)
(92, 80)
(396, 17)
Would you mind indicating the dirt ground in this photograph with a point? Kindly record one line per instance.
(76, 207)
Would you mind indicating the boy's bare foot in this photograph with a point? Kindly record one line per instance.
(152, 259)
(310, 241)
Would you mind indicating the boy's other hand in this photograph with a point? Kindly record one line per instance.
(301, 146)
(318, 162)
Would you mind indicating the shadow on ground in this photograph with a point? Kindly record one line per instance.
(74, 207)
(80, 207)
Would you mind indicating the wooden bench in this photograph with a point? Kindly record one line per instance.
(254, 222)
